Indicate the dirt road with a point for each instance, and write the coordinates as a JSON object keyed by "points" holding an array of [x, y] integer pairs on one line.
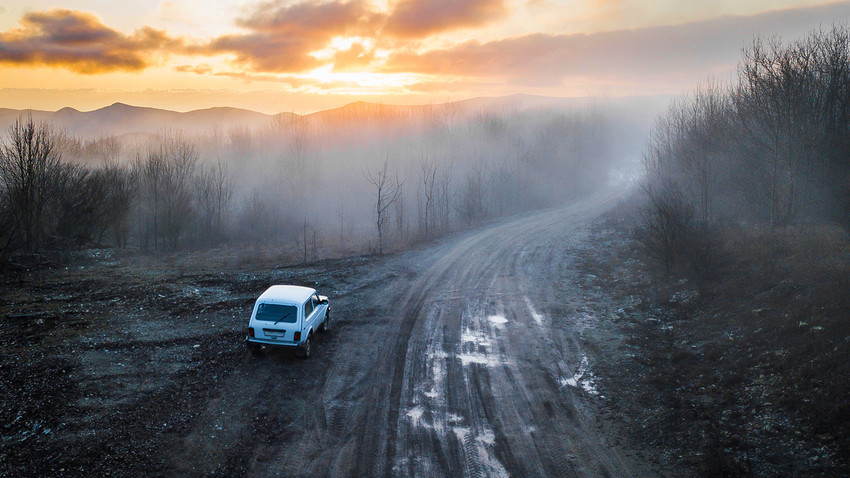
{"points": [[457, 359], [459, 368]]}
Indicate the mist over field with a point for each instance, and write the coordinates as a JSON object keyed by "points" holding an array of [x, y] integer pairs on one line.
{"points": [[304, 184]]}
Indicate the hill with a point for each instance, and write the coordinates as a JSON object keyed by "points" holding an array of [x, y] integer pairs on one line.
{"points": [[121, 119]]}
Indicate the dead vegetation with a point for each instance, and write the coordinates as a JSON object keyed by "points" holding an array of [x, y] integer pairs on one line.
{"points": [[109, 360], [745, 374], [737, 324], [300, 182]]}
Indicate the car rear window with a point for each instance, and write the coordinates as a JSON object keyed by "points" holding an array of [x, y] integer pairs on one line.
{"points": [[277, 313]]}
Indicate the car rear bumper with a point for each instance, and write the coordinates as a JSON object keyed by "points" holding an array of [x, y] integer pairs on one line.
{"points": [[274, 343]]}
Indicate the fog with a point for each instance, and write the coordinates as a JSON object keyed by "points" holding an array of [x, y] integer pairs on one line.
{"points": [[305, 185], [769, 150]]}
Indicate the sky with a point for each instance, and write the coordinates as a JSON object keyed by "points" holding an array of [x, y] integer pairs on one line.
{"points": [[304, 55]]}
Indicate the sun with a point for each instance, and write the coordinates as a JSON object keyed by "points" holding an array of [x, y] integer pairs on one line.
{"points": [[327, 80]]}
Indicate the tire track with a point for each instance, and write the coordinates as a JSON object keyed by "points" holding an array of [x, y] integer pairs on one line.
{"points": [[504, 360]]}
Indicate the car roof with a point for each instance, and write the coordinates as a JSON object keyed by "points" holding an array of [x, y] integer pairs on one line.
{"points": [[292, 294]]}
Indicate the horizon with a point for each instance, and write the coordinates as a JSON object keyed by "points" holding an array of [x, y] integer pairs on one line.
{"points": [[307, 56], [343, 105]]}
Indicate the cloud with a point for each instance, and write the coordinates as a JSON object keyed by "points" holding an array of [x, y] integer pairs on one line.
{"points": [[420, 18], [291, 81], [314, 20], [356, 57], [170, 11], [282, 36], [691, 50], [202, 69], [449, 86], [80, 42]]}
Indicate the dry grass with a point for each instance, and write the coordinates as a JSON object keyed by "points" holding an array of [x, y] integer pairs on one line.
{"points": [[743, 374]]}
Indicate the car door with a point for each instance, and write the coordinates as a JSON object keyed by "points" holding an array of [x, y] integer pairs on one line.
{"points": [[275, 321], [319, 306], [308, 315]]}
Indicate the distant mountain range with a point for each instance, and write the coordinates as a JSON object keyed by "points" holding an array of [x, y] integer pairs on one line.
{"points": [[120, 119]]}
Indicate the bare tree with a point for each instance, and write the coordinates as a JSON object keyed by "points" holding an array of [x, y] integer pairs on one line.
{"points": [[181, 157], [471, 206], [296, 139], [148, 173], [773, 148], [444, 195], [28, 159], [76, 201], [387, 192], [241, 141], [165, 182], [253, 219], [213, 192], [709, 135], [340, 215], [398, 210], [116, 202], [428, 176], [667, 224], [103, 150]]}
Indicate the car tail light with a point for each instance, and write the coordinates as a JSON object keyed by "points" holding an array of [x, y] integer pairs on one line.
{"points": [[250, 331], [297, 336]]}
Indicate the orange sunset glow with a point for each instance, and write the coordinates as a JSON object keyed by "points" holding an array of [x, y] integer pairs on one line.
{"points": [[305, 55]]}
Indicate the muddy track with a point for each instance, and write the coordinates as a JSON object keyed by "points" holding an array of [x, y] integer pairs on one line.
{"points": [[484, 389]]}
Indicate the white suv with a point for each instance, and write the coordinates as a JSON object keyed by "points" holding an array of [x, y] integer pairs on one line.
{"points": [[288, 316]]}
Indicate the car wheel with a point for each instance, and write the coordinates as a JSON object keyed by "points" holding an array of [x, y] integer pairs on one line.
{"points": [[326, 325], [254, 348], [307, 348]]}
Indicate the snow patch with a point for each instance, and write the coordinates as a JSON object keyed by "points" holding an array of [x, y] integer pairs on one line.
{"points": [[477, 339], [454, 418], [537, 317], [481, 359], [487, 437], [583, 378], [437, 378], [461, 432], [497, 319], [415, 415], [478, 449]]}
